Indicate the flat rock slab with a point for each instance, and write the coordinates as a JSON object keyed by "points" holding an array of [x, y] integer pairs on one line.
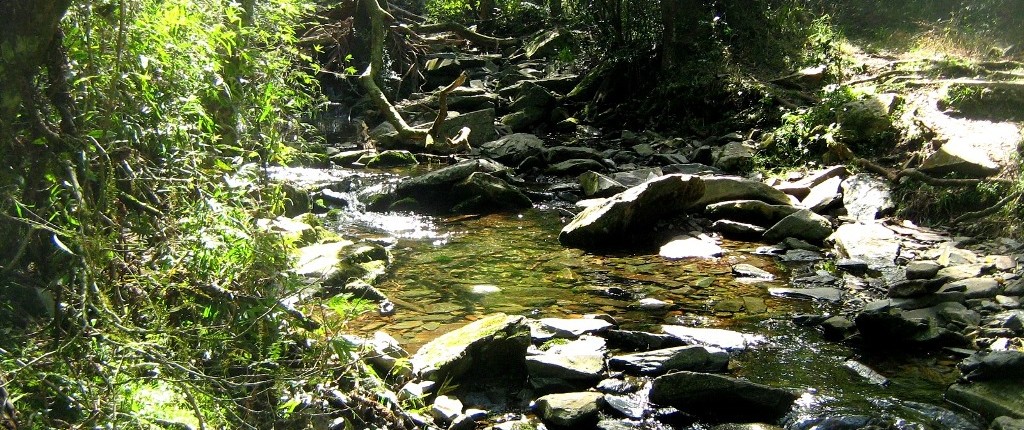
{"points": [[866, 197], [991, 399], [833, 295], [569, 367], [725, 188], [962, 158], [751, 211], [725, 339], [802, 224], [722, 398], [871, 243], [693, 358]]}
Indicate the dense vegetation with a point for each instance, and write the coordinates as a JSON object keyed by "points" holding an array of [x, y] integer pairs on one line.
{"points": [[135, 284]]}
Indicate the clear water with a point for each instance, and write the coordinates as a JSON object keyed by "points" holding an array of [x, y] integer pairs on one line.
{"points": [[448, 272]]}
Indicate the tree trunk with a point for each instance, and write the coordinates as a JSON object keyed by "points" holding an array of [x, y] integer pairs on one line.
{"points": [[680, 20]]}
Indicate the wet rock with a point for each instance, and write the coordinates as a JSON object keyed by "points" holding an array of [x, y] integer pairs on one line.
{"points": [[574, 410], [512, 149], [652, 304], [597, 185], [851, 265], [575, 166], [752, 211], [823, 196], [657, 362], [558, 154], [323, 261], [738, 230], [631, 340], [833, 295], [922, 269], [392, 158], [725, 188], [434, 191], [792, 243], [725, 339], [801, 255], [633, 210], [523, 120], [722, 398], [585, 344], [802, 224], [481, 124], [881, 322], [572, 328], [914, 288], [869, 374], [483, 192], [837, 328], [734, 157], [628, 384], [1012, 320], [993, 365], [991, 399], [749, 271], [871, 243], [959, 158], [690, 247], [974, 288], [564, 370], [497, 341], [634, 405], [633, 178], [866, 197], [1007, 423]]}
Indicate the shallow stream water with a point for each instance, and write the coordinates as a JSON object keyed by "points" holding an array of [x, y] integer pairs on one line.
{"points": [[448, 272]]}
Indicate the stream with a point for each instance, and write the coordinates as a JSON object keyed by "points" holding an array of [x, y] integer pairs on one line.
{"points": [[447, 272]]}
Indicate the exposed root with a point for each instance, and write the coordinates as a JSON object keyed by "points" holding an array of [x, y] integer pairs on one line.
{"points": [[971, 216]]}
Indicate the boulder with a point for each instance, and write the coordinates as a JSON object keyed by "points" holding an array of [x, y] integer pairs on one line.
{"points": [[722, 398], [597, 185], [738, 230], [497, 341], [974, 288], [630, 340], [524, 119], [445, 409], [866, 197], [719, 338], [960, 158], [631, 211], [480, 124], [991, 399], [882, 322], [993, 365], [472, 185], [922, 269], [724, 188], [569, 368], [802, 224], [483, 192], [692, 357], [573, 410], [823, 196], [512, 149], [574, 166], [752, 211]]}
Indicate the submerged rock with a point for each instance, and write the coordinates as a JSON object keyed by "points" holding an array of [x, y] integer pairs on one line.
{"points": [[690, 247], [722, 398], [726, 339]]}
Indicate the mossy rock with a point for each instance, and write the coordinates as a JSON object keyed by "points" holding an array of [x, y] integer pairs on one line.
{"points": [[392, 158], [487, 349]]}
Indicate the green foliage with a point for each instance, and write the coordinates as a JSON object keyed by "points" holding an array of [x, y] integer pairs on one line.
{"points": [[500, 16]]}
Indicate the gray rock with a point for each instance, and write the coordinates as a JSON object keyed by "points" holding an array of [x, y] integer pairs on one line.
{"points": [[750, 271], [974, 288], [802, 224], [416, 391], [690, 247], [866, 197], [833, 295], [837, 328], [991, 399], [910, 288], [823, 196], [597, 185], [573, 410], [881, 322], [963, 271], [631, 340], [572, 328], [722, 398], [1012, 320], [1007, 423], [800, 189], [922, 269], [497, 341], [483, 192], [725, 339], [435, 191], [738, 230], [558, 154], [961, 159], [445, 409], [524, 119], [633, 210], [693, 358], [871, 243], [751, 211], [566, 367], [869, 374], [633, 405], [575, 166], [734, 157], [512, 149], [852, 265], [531, 95], [481, 124], [633, 178], [993, 365], [725, 188], [793, 243]]}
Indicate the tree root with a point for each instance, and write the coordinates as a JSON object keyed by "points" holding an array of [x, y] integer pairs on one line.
{"points": [[971, 216], [466, 33]]}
